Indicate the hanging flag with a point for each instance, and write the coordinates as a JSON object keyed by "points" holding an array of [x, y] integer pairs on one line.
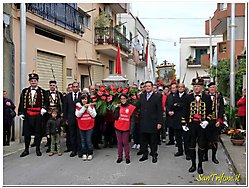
{"points": [[215, 61], [149, 63], [118, 61]]}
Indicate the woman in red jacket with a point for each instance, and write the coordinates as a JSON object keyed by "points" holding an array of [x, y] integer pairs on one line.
{"points": [[242, 109], [85, 114], [122, 116]]}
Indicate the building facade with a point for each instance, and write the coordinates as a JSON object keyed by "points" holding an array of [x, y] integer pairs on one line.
{"points": [[194, 57]]}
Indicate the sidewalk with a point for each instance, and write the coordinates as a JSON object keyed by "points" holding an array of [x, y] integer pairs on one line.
{"points": [[237, 157]]}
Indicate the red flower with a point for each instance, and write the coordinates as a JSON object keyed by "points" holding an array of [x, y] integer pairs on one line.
{"points": [[92, 96], [138, 96], [103, 97], [134, 97], [95, 99], [109, 98], [102, 88], [100, 93], [107, 92], [114, 91], [119, 89], [126, 90], [112, 87]]}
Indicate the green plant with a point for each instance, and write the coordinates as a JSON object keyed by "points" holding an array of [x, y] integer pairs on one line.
{"points": [[223, 77], [237, 134], [232, 116], [101, 23]]}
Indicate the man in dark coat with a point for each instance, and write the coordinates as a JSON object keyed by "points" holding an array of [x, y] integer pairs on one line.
{"points": [[8, 105], [69, 116], [151, 120], [31, 109], [170, 113], [213, 130], [198, 114], [179, 101], [54, 100]]}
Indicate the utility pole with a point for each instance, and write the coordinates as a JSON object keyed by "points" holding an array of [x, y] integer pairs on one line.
{"points": [[232, 58], [210, 42], [23, 57]]}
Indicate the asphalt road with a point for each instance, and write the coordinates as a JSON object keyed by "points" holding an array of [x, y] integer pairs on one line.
{"points": [[103, 169]]}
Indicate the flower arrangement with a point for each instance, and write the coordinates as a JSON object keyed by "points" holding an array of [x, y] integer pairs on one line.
{"points": [[107, 97], [237, 134]]}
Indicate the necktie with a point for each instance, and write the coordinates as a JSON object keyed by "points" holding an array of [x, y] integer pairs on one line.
{"points": [[75, 96], [148, 96]]}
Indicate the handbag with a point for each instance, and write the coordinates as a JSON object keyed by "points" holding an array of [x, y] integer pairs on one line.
{"points": [[12, 113]]}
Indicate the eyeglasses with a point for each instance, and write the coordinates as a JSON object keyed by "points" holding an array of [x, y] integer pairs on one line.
{"points": [[52, 85]]}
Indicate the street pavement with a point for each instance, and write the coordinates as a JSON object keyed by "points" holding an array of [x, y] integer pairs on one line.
{"points": [[103, 169]]}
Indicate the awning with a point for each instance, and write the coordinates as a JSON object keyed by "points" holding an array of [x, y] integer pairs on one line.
{"points": [[90, 62]]}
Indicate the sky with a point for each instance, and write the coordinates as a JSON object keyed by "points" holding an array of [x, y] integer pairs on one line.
{"points": [[168, 28]]}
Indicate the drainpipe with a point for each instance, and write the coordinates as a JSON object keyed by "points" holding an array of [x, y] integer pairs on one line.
{"points": [[23, 56], [210, 42], [232, 58]]}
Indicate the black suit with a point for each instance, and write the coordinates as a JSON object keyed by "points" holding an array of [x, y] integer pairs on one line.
{"points": [[69, 114], [150, 115]]}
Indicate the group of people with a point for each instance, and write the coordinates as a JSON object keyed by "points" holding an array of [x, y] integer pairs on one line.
{"points": [[192, 118]]}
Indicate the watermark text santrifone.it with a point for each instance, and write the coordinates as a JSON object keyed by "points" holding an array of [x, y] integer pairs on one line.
{"points": [[218, 178]]}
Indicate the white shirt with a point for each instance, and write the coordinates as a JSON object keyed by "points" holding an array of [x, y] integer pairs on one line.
{"points": [[52, 94], [181, 94], [33, 91], [74, 95]]}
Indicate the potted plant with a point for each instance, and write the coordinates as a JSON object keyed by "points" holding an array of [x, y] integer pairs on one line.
{"points": [[237, 136], [102, 23]]}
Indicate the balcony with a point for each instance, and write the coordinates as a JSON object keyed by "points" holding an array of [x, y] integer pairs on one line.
{"points": [[106, 40], [62, 14], [119, 7], [219, 20], [224, 49]]}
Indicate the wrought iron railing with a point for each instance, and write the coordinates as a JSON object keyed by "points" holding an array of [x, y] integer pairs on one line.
{"points": [[110, 35], [62, 14]]}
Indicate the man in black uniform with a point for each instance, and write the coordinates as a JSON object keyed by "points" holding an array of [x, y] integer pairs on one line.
{"points": [[54, 101], [197, 117], [213, 130], [31, 109]]}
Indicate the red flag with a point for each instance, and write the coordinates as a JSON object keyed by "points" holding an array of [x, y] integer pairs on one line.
{"points": [[118, 62]]}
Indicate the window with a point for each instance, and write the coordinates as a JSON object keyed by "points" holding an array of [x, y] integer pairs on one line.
{"points": [[69, 72], [111, 63], [49, 34], [84, 19], [199, 52], [223, 6], [124, 30]]}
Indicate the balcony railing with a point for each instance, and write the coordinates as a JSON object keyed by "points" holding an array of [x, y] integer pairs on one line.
{"points": [[110, 35], [62, 14]]}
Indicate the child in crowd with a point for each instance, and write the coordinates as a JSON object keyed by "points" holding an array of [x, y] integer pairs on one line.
{"points": [[85, 114], [54, 130], [122, 116]]}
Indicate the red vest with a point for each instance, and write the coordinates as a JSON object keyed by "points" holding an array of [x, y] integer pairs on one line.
{"points": [[123, 122], [85, 122]]}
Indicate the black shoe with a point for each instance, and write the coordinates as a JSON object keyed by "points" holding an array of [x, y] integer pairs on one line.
{"points": [[80, 155], [177, 154], [154, 159], [215, 160], [159, 143], [187, 157], [119, 160], [144, 158], [105, 145], [32, 145], [73, 154], [48, 150], [38, 152], [200, 170], [140, 153], [128, 161], [7, 143], [170, 143], [68, 150], [192, 168], [24, 153], [110, 146]]}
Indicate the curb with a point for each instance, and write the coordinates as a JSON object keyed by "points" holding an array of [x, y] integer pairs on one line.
{"points": [[235, 170]]}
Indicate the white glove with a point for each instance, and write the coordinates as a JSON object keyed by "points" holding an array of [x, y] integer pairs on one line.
{"points": [[21, 117], [185, 128], [204, 124], [43, 111]]}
